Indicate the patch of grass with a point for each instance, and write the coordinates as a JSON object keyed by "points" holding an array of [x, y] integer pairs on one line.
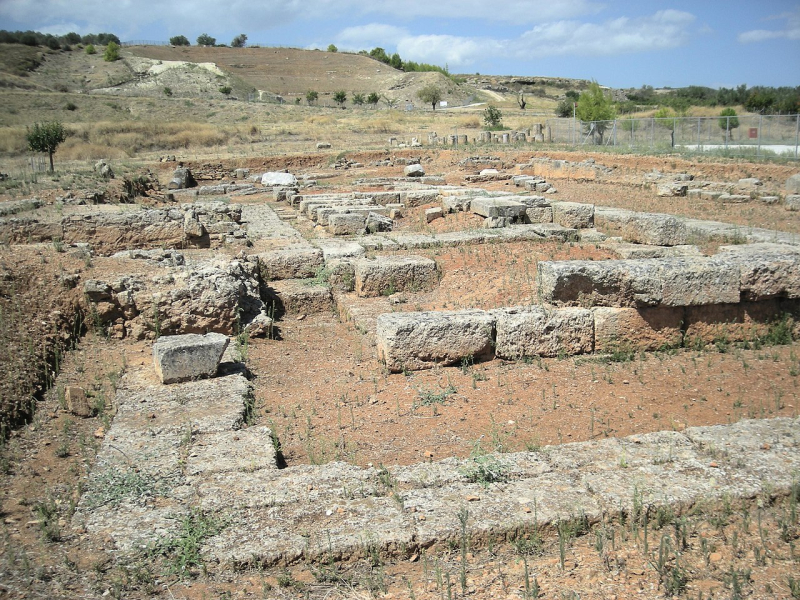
{"points": [[116, 485], [182, 550], [484, 468]]}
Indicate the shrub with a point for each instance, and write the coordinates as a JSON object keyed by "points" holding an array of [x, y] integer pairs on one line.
{"points": [[430, 94], [90, 49], [225, 89], [311, 96], [168, 91], [71, 106], [179, 40], [373, 99], [112, 52], [340, 97], [332, 48], [240, 41], [358, 99], [492, 116]]}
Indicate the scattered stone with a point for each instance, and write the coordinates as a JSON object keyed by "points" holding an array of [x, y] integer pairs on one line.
{"points": [[671, 189], [415, 170], [431, 214], [188, 357], [793, 184], [77, 402], [182, 179], [275, 179], [294, 262], [792, 202]]}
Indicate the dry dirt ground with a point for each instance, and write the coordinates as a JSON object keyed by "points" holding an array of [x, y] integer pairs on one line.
{"points": [[321, 390]]}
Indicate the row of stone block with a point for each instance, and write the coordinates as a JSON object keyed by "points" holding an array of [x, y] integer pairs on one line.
{"points": [[421, 340], [736, 273], [524, 209]]}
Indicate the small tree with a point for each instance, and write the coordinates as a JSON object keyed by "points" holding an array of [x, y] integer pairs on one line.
{"points": [[492, 116], [45, 138], [373, 99], [112, 52], [205, 40], [390, 102], [340, 97], [332, 48], [564, 108], [179, 40], [595, 109], [239, 41], [728, 121], [430, 94], [379, 54], [358, 99], [311, 97], [396, 62]]}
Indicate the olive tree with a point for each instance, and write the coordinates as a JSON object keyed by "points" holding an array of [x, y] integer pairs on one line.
{"points": [[595, 110], [340, 97], [728, 121], [206, 40], [45, 137], [430, 94], [240, 41], [179, 40]]}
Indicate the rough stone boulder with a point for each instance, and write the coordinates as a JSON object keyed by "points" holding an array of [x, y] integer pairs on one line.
{"points": [[346, 223], [386, 275], [671, 189], [276, 179], [188, 357], [766, 270], [182, 179], [414, 171], [536, 331], [422, 340]]}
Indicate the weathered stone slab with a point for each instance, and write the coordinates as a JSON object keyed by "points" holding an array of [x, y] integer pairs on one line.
{"points": [[767, 270], [187, 357], [300, 297], [539, 214], [642, 228], [244, 450], [724, 323], [637, 329], [694, 281], [536, 331], [414, 171], [333, 249], [600, 283], [346, 223], [573, 214], [670, 189], [376, 223], [290, 263], [497, 207], [431, 214], [421, 340], [452, 204], [629, 251], [386, 275]]}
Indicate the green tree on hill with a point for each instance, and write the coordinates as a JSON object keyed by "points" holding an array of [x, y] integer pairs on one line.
{"points": [[373, 99], [206, 40], [332, 48], [179, 40], [340, 97], [45, 137], [240, 41], [311, 97], [430, 94], [380, 54], [358, 99], [595, 109]]}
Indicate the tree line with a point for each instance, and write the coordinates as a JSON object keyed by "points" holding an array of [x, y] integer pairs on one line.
{"points": [[56, 42], [757, 99]]}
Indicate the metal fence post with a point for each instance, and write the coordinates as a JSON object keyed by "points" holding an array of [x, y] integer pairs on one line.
{"points": [[796, 133]]}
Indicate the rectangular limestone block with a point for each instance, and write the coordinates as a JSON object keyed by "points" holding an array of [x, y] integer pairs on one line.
{"points": [[695, 281], [187, 357], [765, 273], [536, 331], [539, 214], [497, 207], [642, 228], [586, 283], [573, 214], [299, 297], [723, 323], [637, 328], [346, 223], [290, 263], [422, 340], [386, 275]]}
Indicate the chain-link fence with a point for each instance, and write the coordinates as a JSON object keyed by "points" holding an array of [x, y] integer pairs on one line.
{"points": [[757, 135]]}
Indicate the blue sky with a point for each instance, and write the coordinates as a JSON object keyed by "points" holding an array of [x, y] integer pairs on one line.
{"points": [[619, 44]]}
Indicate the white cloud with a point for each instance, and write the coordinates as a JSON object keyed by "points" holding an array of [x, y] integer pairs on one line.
{"points": [[365, 37], [509, 11], [790, 31], [661, 31]]}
